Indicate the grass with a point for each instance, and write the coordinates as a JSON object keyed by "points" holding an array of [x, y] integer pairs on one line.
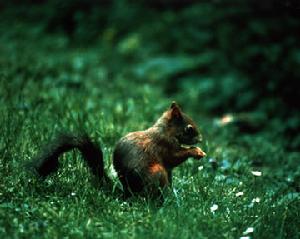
{"points": [[54, 87]]}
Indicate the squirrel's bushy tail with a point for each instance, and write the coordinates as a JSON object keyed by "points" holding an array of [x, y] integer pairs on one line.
{"points": [[47, 161]]}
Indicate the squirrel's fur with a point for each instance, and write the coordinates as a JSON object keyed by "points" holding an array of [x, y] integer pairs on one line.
{"points": [[143, 160]]}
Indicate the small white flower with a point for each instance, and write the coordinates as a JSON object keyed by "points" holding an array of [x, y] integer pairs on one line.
{"points": [[214, 207], [73, 194], [124, 204], [245, 237], [256, 173], [257, 200], [200, 168], [249, 230], [239, 194]]}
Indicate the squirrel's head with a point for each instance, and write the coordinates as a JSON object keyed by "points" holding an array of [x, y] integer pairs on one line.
{"points": [[180, 126]]}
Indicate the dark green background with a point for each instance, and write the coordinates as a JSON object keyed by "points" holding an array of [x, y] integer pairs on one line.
{"points": [[235, 56]]}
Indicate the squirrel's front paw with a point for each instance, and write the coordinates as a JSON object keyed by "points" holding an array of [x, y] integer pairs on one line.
{"points": [[198, 153]]}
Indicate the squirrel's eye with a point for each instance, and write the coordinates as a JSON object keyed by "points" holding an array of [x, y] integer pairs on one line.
{"points": [[189, 129]]}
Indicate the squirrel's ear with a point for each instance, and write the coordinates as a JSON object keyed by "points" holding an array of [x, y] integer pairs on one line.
{"points": [[173, 105], [175, 111]]}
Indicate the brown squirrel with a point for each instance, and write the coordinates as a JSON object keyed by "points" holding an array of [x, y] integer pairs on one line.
{"points": [[143, 160]]}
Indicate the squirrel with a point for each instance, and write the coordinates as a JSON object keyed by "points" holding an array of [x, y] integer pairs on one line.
{"points": [[143, 160]]}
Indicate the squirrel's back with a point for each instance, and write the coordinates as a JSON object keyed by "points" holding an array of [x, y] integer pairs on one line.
{"points": [[133, 157]]}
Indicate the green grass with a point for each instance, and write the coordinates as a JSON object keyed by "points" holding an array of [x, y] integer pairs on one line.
{"points": [[54, 87]]}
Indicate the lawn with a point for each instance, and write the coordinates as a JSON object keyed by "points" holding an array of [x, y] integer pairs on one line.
{"points": [[247, 186]]}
